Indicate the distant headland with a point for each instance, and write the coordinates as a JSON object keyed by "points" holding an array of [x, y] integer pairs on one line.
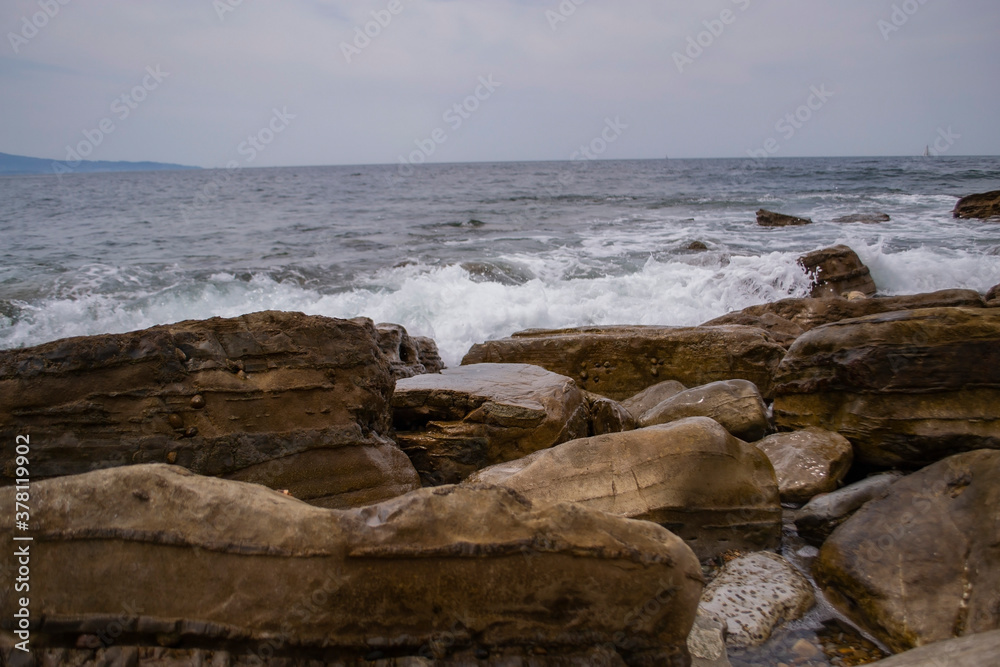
{"points": [[19, 164]]}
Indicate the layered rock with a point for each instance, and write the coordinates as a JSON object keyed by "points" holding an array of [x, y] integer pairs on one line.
{"points": [[906, 388], [970, 651], [837, 270], [446, 573], [867, 218], [753, 594], [607, 416], [691, 476], [650, 397], [282, 399], [767, 218], [620, 361], [922, 563], [817, 519], [462, 419], [807, 462], [810, 313], [735, 404], [993, 294], [782, 330], [984, 206], [408, 355]]}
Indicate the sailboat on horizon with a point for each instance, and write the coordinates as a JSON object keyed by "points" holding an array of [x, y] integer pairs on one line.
{"points": [[927, 151]]}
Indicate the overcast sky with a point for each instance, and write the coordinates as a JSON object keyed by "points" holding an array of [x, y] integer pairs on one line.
{"points": [[625, 79]]}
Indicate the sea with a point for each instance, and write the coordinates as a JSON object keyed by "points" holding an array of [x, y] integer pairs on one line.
{"points": [[464, 253]]}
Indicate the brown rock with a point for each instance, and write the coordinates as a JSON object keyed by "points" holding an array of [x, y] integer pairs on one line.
{"points": [[691, 476], [284, 399], [970, 651], [807, 462], [462, 419], [607, 416], [983, 206], [650, 397], [767, 218], [697, 246], [783, 331], [619, 362], [735, 404], [922, 564], [993, 293], [428, 354], [405, 353], [837, 270], [906, 388], [867, 218], [441, 573]]}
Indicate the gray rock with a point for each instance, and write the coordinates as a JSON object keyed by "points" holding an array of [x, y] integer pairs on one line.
{"points": [[807, 462], [767, 218], [979, 650], [707, 642], [406, 354], [817, 519], [867, 218], [736, 404]]}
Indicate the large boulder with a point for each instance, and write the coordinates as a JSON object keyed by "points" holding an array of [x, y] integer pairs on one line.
{"points": [[810, 313], [906, 388], [281, 399], [976, 650], [807, 462], [837, 270], [736, 404], [984, 206], [620, 361], [691, 476], [446, 573], [818, 518], [922, 563], [462, 419], [767, 218]]}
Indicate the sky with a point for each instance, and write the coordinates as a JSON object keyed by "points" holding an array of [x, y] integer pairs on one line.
{"points": [[312, 82]]}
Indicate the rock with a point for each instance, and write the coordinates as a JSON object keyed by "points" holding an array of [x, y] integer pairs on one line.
{"points": [[993, 293], [906, 388], [428, 354], [811, 313], [707, 643], [754, 594], [922, 563], [837, 270], [807, 462], [650, 397], [442, 573], [735, 404], [691, 476], [976, 650], [783, 331], [619, 362], [697, 246], [983, 206], [406, 354], [867, 218], [767, 218], [607, 416], [281, 399], [462, 419], [855, 296], [818, 518]]}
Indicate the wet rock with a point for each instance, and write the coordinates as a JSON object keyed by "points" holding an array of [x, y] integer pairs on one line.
{"points": [[439, 573], [867, 218], [607, 416], [983, 206], [807, 462], [767, 218], [428, 354], [697, 246], [837, 270], [906, 388], [975, 650], [650, 397], [462, 419], [691, 476], [735, 404], [620, 361], [922, 563], [281, 399], [404, 351], [753, 595], [816, 520], [783, 331], [993, 293], [707, 642], [811, 313]]}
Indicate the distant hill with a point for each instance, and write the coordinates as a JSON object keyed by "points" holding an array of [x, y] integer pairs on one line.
{"points": [[19, 164]]}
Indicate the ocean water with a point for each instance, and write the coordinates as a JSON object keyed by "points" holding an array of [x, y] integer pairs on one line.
{"points": [[468, 252]]}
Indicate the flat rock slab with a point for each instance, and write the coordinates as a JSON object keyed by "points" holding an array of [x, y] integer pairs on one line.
{"points": [[462, 419], [736, 404], [282, 399], [979, 650], [807, 462], [619, 362], [211, 563], [754, 594], [691, 476], [922, 563], [906, 388], [817, 519]]}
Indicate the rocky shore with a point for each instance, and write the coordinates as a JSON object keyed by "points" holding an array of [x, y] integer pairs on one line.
{"points": [[281, 489]]}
